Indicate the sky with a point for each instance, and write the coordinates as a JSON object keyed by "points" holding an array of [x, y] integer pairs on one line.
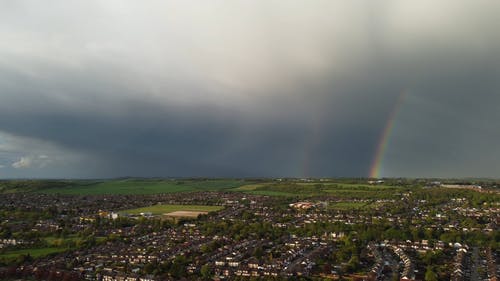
{"points": [[394, 88]]}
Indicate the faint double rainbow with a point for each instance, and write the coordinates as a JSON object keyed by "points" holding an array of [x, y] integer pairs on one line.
{"points": [[383, 142]]}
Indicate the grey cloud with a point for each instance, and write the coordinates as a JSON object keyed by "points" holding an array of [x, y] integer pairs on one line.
{"points": [[252, 89]]}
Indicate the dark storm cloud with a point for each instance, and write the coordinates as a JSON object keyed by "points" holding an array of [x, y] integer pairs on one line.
{"points": [[146, 139], [248, 89]]}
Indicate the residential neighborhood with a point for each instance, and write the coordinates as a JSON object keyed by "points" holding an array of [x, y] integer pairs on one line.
{"points": [[406, 236]]}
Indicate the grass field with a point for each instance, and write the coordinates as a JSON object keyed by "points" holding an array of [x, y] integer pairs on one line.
{"points": [[273, 193], [35, 253], [352, 185], [249, 187], [278, 189], [307, 189], [162, 209], [55, 242], [133, 186], [364, 194], [154, 186]]}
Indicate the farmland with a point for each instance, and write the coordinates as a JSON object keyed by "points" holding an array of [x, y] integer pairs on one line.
{"points": [[132, 186], [121, 186], [338, 189]]}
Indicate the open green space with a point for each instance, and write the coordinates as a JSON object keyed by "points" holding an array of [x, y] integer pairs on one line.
{"points": [[309, 189], [56, 241], [123, 186], [364, 194], [273, 193], [72, 239], [342, 185], [153, 186], [249, 187], [33, 252], [282, 189], [162, 209]]}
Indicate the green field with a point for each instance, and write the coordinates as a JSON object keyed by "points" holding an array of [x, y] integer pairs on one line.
{"points": [[35, 253], [133, 186], [154, 186], [273, 193], [249, 187], [53, 241], [308, 189], [343, 184], [161, 209]]}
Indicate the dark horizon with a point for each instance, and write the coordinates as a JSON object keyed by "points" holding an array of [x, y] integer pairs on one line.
{"points": [[256, 178]]}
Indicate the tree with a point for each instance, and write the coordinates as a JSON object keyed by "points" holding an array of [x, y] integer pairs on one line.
{"points": [[258, 252], [149, 268], [430, 275], [206, 271], [178, 267]]}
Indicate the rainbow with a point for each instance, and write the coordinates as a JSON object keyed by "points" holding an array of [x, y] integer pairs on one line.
{"points": [[311, 143], [383, 142]]}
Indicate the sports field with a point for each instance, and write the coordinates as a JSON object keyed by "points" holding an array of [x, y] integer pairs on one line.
{"points": [[185, 214]]}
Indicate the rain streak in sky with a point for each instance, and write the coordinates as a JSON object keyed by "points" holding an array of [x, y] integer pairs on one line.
{"points": [[249, 88]]}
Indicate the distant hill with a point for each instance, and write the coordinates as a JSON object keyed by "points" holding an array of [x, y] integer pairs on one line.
{"points": [[118, 186]]}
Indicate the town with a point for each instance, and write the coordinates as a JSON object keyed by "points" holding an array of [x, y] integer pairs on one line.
{"points": [[280, 229]]}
